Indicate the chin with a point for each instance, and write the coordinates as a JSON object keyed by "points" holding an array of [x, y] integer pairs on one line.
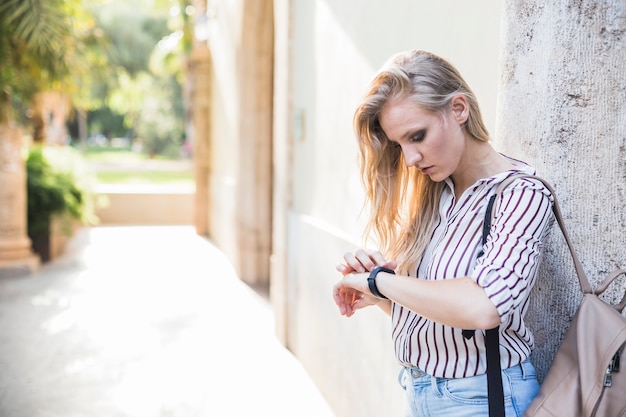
{"points": [[437, 177]]}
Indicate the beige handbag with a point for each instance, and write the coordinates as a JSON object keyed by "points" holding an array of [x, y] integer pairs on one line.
{"points": [[584, 379]]}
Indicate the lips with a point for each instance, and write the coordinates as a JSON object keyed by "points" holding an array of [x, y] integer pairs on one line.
{"points": [[426, 170]]}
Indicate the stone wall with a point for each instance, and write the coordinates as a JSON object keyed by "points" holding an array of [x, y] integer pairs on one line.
{"points": [[561, 107]]}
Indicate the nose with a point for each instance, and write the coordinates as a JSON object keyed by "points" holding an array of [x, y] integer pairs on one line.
{"points": [[411, 157]]}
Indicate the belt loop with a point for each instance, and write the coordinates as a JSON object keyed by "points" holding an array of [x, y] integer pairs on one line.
{"points": [[435, 386], [521, 365], [401, 378]]}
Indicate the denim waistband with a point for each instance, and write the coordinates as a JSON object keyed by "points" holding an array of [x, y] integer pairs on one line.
{"points": [[416, 372]]}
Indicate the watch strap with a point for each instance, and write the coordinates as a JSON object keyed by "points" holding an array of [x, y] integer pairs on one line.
{"points": [[371, 281]]}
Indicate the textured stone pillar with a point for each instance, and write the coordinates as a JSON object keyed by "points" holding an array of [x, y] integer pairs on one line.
{"points": [[199, 96], [200, 70], [561, 108], [254, 176], [282, 181], [16, 256]]}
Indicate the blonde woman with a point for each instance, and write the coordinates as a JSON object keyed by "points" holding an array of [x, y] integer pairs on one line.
{"points": [[429, 170]]}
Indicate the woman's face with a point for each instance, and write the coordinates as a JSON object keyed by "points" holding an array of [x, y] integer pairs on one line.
{"points": [[430, 142]]}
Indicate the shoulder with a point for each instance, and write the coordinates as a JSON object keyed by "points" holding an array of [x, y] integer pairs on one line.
{"points": [[522, 178], [523, 196], [522, 182]]}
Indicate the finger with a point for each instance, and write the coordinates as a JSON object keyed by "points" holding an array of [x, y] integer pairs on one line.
{"points": [[365, 260], [337, 295], [344, 269], [342, 297], [377, 258], [358, 305], [391, 265], [373, 258], [351, 297], [349, 311], [354, 298], [353, 262], [347, 295]]}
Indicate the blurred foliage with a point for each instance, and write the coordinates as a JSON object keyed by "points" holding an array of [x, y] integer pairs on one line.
{"points": [[133, 36], [161, 127], [148, 41], [57, 185], [36, 40], [116, 60]]}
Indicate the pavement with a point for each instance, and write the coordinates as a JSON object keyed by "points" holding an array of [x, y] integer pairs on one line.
{"points": [[143, 321]]}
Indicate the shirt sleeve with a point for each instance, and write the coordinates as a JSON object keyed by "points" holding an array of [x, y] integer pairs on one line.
{"points": [[512, 252]]}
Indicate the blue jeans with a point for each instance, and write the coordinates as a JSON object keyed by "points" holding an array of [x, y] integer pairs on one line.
{"points": [[466, 397]]}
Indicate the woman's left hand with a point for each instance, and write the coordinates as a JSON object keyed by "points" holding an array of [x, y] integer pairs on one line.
{"points": [[348, 298], [352, 292]]}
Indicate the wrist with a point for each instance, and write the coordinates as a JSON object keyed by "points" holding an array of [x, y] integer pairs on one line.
{"points": [[371, 281]]}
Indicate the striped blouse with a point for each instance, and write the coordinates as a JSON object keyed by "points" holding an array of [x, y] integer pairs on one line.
{"points": [[506, 271]]}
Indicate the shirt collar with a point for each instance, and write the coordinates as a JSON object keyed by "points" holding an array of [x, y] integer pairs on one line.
{"points": [[519, 167]]}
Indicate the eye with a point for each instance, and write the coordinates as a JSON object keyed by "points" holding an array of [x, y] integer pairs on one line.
{"points": [[418, 136]]}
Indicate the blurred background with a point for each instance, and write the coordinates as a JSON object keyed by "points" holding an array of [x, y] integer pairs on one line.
{"points": [[235, 117]]}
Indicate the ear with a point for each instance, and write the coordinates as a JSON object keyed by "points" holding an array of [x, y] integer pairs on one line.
{"points": [[460, 108]]}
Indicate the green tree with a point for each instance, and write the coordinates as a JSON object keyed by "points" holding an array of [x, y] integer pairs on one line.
{"points": [[45, 45], [161, 124], [147, 44], [35, 36]]}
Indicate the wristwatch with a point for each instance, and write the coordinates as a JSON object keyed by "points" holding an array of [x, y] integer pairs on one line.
{"points": [[371, 280]]}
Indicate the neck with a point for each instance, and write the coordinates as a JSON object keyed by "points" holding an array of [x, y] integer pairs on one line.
{"points": [[482, 161]]}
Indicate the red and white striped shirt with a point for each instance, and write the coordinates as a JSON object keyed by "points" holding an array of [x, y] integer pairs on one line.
{"points": [[506, 271]]}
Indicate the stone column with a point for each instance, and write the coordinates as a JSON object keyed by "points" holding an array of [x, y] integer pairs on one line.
{"points": [[561, 108], [279, 283], [16, 256], [254, 176], [200, 70]]}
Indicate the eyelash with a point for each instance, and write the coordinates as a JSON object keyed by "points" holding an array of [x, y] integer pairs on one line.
{"points": [[419, 136]]}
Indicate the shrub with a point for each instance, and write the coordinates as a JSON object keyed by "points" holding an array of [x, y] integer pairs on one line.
{"points": [[55, 190]]}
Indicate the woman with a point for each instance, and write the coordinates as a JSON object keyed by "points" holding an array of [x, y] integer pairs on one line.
{"points": [[428, 171]]}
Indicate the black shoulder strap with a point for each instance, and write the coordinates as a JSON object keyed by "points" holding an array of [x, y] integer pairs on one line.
{"points": [[495, 392]]}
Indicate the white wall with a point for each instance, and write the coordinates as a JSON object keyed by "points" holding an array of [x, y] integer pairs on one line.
{"points": [[336, 47]]}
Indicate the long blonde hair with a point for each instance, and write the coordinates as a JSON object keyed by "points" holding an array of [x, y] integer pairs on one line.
{"points": [[404, 202]]}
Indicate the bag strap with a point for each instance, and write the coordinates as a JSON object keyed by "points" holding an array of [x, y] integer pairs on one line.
{"points": [[495, 391], [585, 286], [605, 284]]}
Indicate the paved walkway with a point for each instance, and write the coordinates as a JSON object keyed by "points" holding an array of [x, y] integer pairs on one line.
{"points": [[144, 322]]}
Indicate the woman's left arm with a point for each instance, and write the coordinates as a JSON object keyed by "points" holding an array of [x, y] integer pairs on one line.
{"points": [[502, 278], [460, 302]]}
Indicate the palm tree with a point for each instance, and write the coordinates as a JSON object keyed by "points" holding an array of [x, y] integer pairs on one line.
{"points": [[35, 36], [35, 39]]}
